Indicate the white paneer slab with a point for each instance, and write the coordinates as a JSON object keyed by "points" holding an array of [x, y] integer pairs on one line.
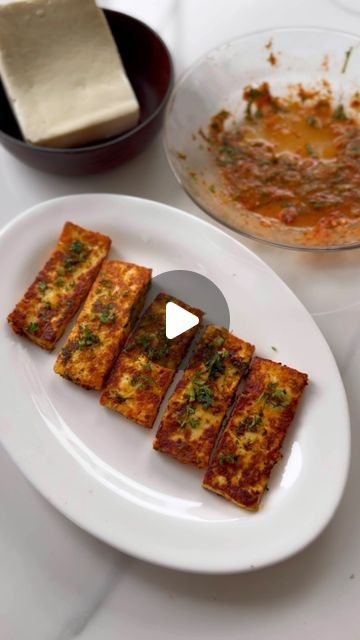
{"points": [[62, 72]]}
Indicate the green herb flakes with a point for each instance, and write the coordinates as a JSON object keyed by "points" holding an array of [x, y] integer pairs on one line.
{"points": [[275, 396], [215, 365], [218, 341], [78, 252], [87, 338], [346, 60], [107, 317], [187, 418], [340, 113], [32, 327], [141, 381], [224, 458], [200, 392], [312, 121], [251, 422]]}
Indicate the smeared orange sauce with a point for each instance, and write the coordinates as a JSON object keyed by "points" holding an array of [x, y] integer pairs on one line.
{"points": [[293, 130], [296, 160]]}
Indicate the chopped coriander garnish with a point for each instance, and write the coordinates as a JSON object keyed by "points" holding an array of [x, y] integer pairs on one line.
{"points": [[219, 341], [59, 282], [69, 265], [274, 395], [200, 392], [42, 285], [107, 317], [223, 458], [251, 422], [141, 381], [149, 318], [32, 327], [340, 113], [158, 352], [78, 252], [104, 311], [143, 340], [227, 154], [191, 393], [215, 365], [76, 246], [312, 121], [193, 422], [154, 345], [278, 397], [87, 338], [347, 58], [188, 419]]}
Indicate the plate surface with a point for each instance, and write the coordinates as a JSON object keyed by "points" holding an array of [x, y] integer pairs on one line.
{"points": [[100, 470]]}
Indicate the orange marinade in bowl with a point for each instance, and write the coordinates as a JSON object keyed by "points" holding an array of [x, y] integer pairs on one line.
{"points": [[297, 160], [263, 133]]}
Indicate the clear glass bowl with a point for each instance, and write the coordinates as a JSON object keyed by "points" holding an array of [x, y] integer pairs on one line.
{"points": [[303, 55]]}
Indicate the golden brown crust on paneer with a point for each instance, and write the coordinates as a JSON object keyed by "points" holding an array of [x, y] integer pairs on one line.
{"points": [[110, 311], [250, 444], [146, 367], [136, 388], [60, 287], [196, 409]]}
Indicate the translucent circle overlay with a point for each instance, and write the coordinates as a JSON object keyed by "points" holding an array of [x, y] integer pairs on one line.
{"points": [[197, 291]]}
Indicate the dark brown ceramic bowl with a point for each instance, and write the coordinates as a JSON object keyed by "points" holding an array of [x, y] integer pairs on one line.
{"points": [[150, 70]]}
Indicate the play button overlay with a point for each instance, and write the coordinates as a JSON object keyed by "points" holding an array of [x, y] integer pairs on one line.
{"points": [[196, 291], [178, 320]]}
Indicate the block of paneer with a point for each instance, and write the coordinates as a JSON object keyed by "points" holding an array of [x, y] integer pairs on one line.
{"points": [[250, 444], [196, 409], [146, 367], [110, 311], [62, 72], [61, 286]]}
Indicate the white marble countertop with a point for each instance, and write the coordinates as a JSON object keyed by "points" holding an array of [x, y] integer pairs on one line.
{"points": [[58, 582]]}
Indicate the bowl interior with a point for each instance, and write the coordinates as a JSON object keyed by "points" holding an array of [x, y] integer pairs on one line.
{"points": [[302, 56], [147, 63]]}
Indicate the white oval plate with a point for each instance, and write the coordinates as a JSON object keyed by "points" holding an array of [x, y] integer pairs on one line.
{"points": [[100, 470]]}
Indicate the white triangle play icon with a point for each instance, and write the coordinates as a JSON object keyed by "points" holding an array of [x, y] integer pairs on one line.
{"points": [[178, 320]]}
